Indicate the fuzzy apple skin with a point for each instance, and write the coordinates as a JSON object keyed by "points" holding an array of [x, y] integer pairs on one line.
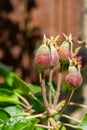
{"points": [[74, 80], [46, 57], [42, 57], [54, 56], [64, 54], [65, 51]]}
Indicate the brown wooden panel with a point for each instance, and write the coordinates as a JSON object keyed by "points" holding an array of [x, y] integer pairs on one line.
{"points": [[74, 17], [58, 16]]}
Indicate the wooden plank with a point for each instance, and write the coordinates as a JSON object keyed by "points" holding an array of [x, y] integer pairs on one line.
{"points": [[58, 16]]}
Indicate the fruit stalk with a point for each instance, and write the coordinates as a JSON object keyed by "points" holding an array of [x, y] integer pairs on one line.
{"points": [[44, 90], [58, 89], [50, 87], [69, 96]]}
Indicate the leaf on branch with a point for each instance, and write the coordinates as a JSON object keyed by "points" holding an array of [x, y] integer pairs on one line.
{"points": [[83, 124]]}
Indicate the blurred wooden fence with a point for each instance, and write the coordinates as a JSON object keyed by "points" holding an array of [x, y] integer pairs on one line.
{"points": [[57, 16]]}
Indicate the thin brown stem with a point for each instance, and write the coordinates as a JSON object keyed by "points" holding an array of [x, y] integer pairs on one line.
{"points": [[27, 107], [40, 77], [78, 105], [44, 126], [53, 123], [35, 116], [56, 98], [44, 90], [50, 87], [23, 99], [67, 100], [69, 125], [48, 125], [71, 118], [35, 98]]}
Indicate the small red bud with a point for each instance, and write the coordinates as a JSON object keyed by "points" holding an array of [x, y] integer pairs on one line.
{"points": [[54, 56], [74, 77], [42, 57], [46, 57], [64, 51]]}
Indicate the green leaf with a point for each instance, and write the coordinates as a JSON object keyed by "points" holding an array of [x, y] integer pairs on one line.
{"points": [[34, 88], [12, 110], [5, 86], [8, 96], [9, 79], [16, 123], [60, 104], [83, 124], [39, 128], [54, 86], [37, 105], [64, 65], [56, 117], [65, 88], [1, 122], [4, 116], [4, 70], [61, 127], [19, 123], [26, 128], [32, 126], [24, 87]]}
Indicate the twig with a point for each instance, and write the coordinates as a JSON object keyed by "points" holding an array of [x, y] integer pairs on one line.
{"points": [[40, 77], [50, 87], [34, 116], [72, 126], [67, 100], [44, 126], [71, 118], [25, 106], [78, 104], [23, 99], [44, 90], [22, 114], [48, 124], [35, 98], [52, 122], [58, 89]]}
